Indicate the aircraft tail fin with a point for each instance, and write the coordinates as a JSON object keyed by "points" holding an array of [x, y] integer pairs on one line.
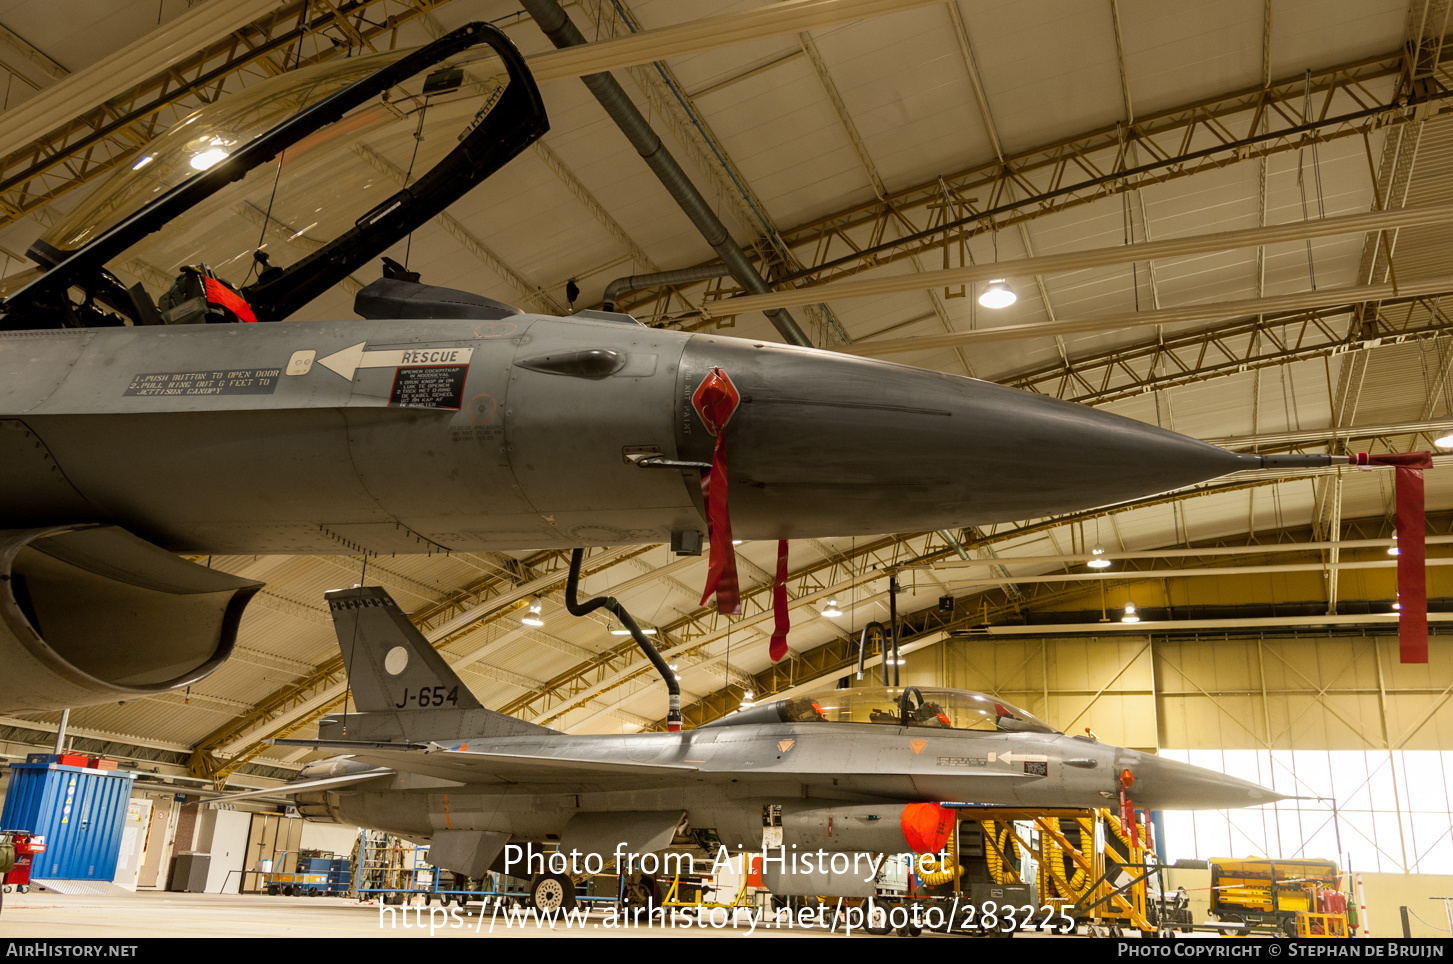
{"points": [[390, 665]]}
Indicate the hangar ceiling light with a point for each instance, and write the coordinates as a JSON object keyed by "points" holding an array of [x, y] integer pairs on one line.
{"points": [[998, 294]]}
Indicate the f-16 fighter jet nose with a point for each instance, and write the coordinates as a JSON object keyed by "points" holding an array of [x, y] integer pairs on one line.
{"points": [[819, 440], [1162, 784]]}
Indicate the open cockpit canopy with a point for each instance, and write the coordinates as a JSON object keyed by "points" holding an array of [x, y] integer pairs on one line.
{"points": [[897, 706], [284, 188]]}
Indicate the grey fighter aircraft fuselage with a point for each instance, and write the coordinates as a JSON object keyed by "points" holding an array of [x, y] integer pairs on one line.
{"points": [[527, 432], [122, 446], [859, 770], [721, 775]]}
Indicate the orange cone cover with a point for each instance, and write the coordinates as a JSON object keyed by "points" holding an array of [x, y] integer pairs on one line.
{"points": [[926, 827]]}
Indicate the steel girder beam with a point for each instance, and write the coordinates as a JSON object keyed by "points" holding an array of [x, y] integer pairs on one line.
{"points": [[1202, 136], [678, 113], [942, 214], [97, 141], [1392, 181], [1229, 349], [842, 654]]}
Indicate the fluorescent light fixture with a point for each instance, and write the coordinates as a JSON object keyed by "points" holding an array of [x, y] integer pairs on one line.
{"points": [[627, 632], [832, 609], [145, 160], [1444, 441], [1131, 615], [998, 294], [1099, 562]]}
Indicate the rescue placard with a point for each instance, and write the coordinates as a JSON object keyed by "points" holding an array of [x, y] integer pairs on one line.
{"points": [[432, 356], [431, 386]]}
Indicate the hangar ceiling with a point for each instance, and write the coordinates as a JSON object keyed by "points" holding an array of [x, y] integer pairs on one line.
{"points": [[858, 141]]}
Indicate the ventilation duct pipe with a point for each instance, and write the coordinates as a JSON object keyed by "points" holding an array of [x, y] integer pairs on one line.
{"points": [[557, 26], [637, 281]]}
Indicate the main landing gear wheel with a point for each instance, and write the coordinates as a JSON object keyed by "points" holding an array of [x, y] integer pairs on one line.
{"points": [[551, 892]]}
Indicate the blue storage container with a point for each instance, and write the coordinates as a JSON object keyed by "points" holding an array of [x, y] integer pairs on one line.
{"points": [[339, 876], [79, 812]]}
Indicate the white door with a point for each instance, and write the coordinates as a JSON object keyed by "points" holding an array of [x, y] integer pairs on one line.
{"points": [[133, 843]]}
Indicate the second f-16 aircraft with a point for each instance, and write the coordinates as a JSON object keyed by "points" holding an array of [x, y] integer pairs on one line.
{"points": [[132, 428], [845, 771]]}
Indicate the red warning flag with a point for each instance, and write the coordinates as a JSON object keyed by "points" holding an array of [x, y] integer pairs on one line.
{"points": [[716, 400], [781, 620], [1412, 550]]}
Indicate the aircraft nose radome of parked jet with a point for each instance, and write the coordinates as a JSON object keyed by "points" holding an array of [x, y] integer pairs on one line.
{"points": [[823, 445], [1162, 784]]}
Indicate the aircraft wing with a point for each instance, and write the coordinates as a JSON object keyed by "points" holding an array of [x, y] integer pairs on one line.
{"points": [[288, 789], [469, 766]]}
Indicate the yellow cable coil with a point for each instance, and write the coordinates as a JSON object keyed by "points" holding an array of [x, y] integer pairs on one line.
{"points": [[1072, 887], [1047, 851], [996, 848], [945, 876], [1115, 827]]}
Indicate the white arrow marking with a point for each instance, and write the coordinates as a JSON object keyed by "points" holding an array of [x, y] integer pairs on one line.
{"points": [[349, 360], [344, 362]]}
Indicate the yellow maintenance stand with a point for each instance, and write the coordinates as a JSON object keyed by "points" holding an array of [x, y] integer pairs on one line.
{"points": [[1089, 867]]}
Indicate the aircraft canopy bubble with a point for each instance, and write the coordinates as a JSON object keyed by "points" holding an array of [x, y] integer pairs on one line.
{"points": [[314, 192], [914, 706]]}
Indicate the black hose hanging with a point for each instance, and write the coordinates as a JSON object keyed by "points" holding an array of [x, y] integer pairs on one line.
{"points": [[612, 605], [893, 591]]}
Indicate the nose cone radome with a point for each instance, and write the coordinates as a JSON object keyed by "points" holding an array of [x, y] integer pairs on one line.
{"points": [[1162, 784], [827, 444]]}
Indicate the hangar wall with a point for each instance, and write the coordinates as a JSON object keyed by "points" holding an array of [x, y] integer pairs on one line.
{"points": [[1336, 717], [1294, 693]]}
